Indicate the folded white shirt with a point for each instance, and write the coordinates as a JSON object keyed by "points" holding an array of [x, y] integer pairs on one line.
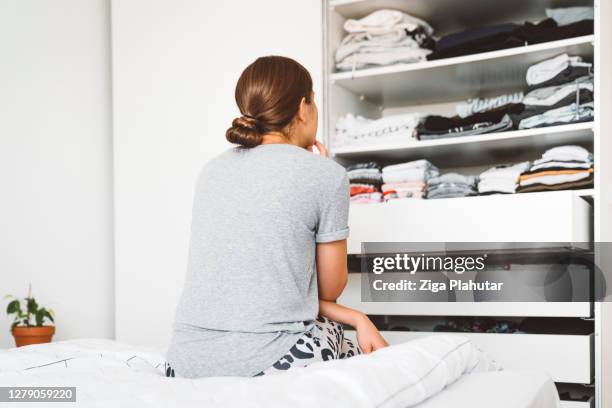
{"points": [[415, 164], [569, 15], [368, 43], [497, 185], [509, 172], [548, 69], [569, 164], [385, 20], [406, 175], [354, 130], [406, 55], [574, 151]]}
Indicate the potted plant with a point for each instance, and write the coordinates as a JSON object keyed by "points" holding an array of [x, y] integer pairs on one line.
{"points": [[28, 325]]}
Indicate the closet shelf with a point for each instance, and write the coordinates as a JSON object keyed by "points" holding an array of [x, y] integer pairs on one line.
{"points": [[585, 192], [457, 78], [474, 150], [452, 16]]}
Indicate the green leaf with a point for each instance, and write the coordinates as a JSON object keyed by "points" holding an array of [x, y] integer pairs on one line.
{"points": [[32, 305], [49, 315], [13, 307], [39, 316]]}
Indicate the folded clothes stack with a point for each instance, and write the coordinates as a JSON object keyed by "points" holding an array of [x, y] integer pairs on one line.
{"points": [[560, 24], [560, 92], [495, 120], [354, 130], [384, 37], [451, 185], [365, 180], [479, 105], [560, 168], [407, 180], [501, 179]]}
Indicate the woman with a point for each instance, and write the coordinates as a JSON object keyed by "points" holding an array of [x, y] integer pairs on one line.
{"points": [[267, 256]]}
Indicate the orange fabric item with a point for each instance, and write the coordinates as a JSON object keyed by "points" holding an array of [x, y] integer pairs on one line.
{"points": [[553, 173], [362, 189]]}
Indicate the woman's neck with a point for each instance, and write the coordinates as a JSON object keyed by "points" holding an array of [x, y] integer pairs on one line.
{"points": [[275, 138]]}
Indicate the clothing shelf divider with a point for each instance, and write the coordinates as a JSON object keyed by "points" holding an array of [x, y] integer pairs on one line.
{"points": [[472, 149], [455, 78]]}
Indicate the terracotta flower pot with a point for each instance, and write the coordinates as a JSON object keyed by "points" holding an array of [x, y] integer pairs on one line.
{"points": [[25, 336]]}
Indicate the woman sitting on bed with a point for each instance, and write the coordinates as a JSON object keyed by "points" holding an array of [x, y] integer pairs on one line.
{"points": [[267, 256]]}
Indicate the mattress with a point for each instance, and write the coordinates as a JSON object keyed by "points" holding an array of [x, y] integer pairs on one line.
{"points": [[432, 372], [499, 389]]}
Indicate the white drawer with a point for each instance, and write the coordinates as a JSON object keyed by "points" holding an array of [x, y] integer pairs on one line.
{"points": [[558, 216], [578, 404], [351, 297], [566, 358]]}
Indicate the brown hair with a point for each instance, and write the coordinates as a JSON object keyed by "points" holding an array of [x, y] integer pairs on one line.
{"points": [[268, 95]]}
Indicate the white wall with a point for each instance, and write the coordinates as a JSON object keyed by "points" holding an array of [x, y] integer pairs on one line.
{"points": [[55, 162], [175, 65]]}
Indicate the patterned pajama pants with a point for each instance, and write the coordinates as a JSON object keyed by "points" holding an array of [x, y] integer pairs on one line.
{"points": [[324, 342]]}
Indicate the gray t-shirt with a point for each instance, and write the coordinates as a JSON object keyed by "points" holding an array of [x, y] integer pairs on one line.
{"points": [[251, 285]]}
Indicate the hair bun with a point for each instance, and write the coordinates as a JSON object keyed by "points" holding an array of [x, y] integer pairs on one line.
{"points": [[245, 131]]}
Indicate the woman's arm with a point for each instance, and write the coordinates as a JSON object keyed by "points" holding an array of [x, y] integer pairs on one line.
{"points": [[368, 336], [332, 271], [332, 275]]}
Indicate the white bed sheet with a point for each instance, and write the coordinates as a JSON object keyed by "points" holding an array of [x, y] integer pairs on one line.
{"points": [[111, 374], [499, 389]]}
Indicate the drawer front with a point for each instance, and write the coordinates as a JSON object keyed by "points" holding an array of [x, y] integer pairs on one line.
{"points": [[507, 218], [566, 358], [351, 297], [578, 404]]}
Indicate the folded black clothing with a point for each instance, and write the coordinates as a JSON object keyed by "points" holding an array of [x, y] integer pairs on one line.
{"points": [[462, 38], [502, 36], [422, 38], [364, 180], [434, 123], [543, 325], [569, 74], [548, 30], [476, 40], [367, 165]]}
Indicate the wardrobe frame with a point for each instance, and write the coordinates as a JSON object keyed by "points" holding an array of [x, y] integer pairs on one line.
{"points": [[337, 101]]}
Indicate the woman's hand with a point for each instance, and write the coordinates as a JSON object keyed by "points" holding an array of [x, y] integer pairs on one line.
{"points": [[368, 336], [320, 147]]}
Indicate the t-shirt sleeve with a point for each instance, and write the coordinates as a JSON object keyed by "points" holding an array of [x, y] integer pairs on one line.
{"points": [[333, 219]]}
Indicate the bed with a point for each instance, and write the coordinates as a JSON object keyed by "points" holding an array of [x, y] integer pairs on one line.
{"points": [[431, 372]]}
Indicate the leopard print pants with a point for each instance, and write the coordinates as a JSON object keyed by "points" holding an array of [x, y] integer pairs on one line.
{"points": [[324, 342]]}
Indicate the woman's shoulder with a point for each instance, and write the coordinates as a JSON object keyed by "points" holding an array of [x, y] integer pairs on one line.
{"points": [[325, 170]]}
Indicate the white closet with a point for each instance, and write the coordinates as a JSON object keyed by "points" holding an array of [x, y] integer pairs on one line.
{"points": [[573, 360]]}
